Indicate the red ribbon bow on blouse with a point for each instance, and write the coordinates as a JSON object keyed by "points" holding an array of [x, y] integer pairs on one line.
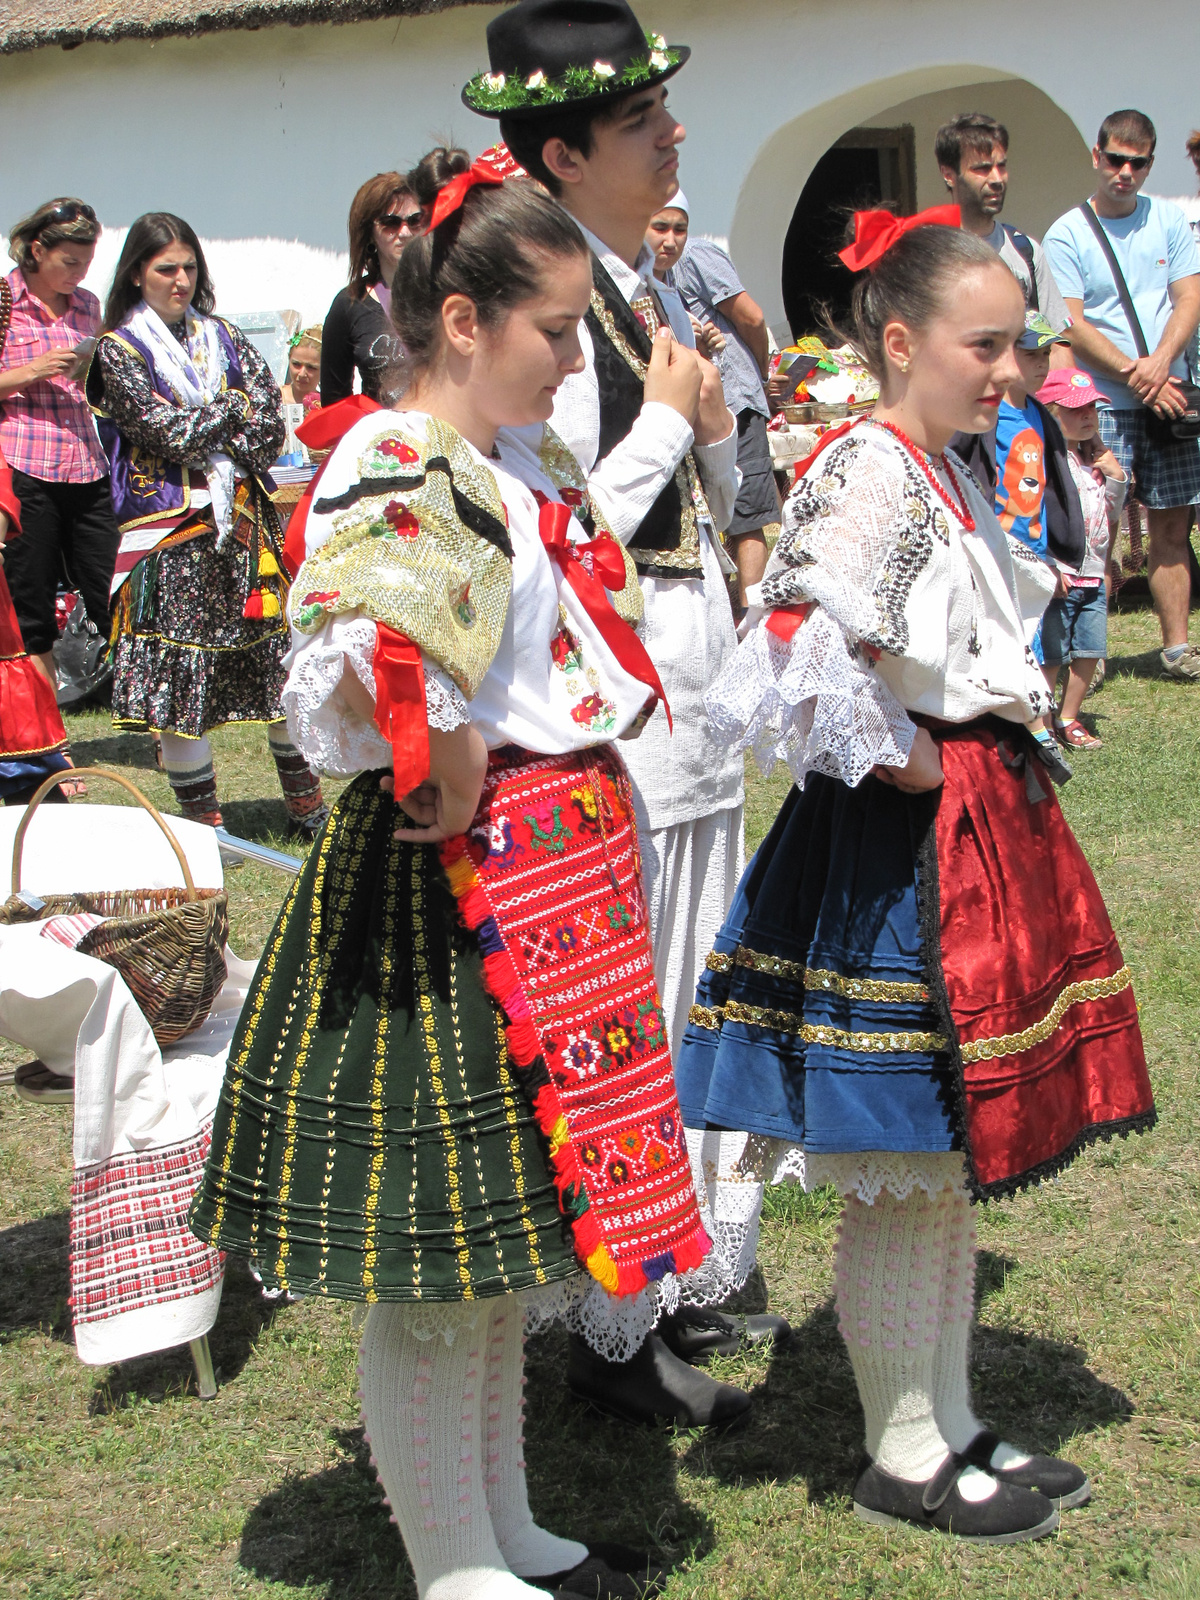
{"points": [[452, 195], [608, 572], [321, 431], [875, 232]]}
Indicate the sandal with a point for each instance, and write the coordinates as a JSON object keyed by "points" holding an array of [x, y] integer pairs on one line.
{"points": [[73, 788], [1076, 736]]}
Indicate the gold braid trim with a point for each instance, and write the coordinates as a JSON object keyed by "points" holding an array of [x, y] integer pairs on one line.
{"points": [[564, 472], [693, 500], [815, 1033], [818, 977], [1012, 1044]]}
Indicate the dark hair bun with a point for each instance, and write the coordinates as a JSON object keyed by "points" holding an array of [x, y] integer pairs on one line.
{"points": [[434, 171]]}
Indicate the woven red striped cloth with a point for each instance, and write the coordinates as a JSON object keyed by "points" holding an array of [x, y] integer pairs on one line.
{"points": [[550, 878], [131, 1246]]}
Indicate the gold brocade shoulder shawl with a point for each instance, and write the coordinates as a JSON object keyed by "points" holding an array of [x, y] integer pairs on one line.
{"points": [[569, 478], [421, 544]]}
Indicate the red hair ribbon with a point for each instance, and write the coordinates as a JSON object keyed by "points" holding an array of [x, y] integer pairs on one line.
{"points": [[452, 195], [608, 572], [875, 232], [320, 431]]}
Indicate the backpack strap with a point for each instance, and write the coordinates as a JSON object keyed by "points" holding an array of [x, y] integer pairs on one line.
{"points": [[1114, 266], [1023, 245]]}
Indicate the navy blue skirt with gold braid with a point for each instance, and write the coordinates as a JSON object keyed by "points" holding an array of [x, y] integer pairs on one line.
{"points": [[371, 1141]]}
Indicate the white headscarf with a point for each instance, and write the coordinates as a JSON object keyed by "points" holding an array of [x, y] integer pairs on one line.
{"points": [[196, 376], [679, 203]]}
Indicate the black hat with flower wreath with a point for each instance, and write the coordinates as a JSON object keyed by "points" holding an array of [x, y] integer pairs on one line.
{"points": [[568, 55]]}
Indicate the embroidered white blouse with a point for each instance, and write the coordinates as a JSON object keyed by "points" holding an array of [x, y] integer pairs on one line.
{"points": [[688, 628], [554, 684], [915, 613]]}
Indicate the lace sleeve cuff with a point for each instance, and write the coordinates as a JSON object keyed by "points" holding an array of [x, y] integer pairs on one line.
{"points": [[809, 702], [332, 735]]}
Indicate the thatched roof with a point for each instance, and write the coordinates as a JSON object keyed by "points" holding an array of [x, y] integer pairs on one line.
{"points": [[31, 24]]}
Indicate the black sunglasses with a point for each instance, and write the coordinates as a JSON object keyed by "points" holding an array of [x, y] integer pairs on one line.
{"points": [[67, 211], [392, 222], [1116, 161]]}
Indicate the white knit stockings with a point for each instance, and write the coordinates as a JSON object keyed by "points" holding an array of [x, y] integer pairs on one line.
{"points": [[528, 1549], [956, 1422], [889, 1270], [422, 1401]]}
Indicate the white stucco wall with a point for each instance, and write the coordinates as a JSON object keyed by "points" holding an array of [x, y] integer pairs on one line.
{"points": [[268, 133]]}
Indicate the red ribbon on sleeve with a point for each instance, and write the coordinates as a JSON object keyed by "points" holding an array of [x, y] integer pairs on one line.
{"points": [[554, 519], [321, 431], [875, 232], [400, 713]]}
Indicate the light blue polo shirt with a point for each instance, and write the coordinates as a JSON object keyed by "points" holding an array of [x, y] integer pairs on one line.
{"points": [[1155, 248]]}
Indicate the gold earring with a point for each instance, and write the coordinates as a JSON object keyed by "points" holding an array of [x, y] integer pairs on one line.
{"points": [[904, 365]]}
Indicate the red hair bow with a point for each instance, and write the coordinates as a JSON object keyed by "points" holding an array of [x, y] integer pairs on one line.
{"points": [[875, 232], [451, 197]]}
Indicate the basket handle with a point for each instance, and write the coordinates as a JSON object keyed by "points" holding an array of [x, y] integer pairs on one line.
{"points": [[67, 776]]}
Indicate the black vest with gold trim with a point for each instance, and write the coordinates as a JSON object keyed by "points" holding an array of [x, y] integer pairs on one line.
{"points": [[667, 542]]}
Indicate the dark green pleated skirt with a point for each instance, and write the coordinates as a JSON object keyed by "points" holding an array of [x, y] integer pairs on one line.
{"points": [[371, 1141]]}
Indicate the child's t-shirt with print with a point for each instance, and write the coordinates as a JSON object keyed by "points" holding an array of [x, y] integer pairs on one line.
{"points": [[1021, 474]]}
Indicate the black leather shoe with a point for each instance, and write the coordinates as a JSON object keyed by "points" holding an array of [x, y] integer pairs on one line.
{"points": [[1064, 1484], [1008, 1516], [595, 1579], [654, 1383], [698, 1335]]}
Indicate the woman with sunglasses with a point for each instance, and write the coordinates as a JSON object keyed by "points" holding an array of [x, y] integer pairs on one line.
{"points": [[60, 474], [358, 335]]}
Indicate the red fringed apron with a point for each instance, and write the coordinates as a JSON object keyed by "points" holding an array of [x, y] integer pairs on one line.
{"points": [[30, 721], [1041, 999], [550, 879]]}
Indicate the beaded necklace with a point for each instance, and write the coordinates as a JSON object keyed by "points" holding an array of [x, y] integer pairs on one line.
{"points": [[919, 456]]}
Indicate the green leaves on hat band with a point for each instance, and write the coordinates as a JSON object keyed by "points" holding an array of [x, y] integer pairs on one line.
{"points": [[493, 91]]}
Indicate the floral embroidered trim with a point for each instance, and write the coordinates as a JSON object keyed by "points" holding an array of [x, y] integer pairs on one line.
{"points": [[496, 92], [818, 977], [1012, 1044], [815, 1033]]}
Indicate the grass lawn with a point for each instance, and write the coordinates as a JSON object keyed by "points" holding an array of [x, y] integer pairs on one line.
{"points": [[119, 1484]]}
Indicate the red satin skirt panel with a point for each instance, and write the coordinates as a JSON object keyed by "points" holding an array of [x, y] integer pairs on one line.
{"points": [[1038, 990], [30, 721]]}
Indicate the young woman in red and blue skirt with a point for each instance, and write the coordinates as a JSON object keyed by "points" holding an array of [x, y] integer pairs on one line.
{"points": [[917, 995], [451, 1095]]}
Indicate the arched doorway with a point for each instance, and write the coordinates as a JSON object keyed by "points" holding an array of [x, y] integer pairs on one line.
{"points": [[867, 167]]}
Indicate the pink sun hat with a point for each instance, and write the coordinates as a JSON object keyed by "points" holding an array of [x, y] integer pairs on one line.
{"points": [[1068, 386]]}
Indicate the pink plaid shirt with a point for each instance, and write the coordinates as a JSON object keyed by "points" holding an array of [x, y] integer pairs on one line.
{"points": [[47, 429]]}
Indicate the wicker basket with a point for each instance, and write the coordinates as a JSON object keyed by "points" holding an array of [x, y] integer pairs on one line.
{"points": [[167, 944]]}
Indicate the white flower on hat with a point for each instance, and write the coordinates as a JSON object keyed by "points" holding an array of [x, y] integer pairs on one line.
{"points": [[536, 80], [657, 40], [495, 81], [659, 60], [604, 69]]}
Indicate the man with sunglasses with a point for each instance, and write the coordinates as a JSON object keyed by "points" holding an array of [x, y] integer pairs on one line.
{"points": [[1160, 264]]}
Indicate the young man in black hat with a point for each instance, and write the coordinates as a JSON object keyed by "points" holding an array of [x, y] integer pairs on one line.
{"points": [[579, 88]]}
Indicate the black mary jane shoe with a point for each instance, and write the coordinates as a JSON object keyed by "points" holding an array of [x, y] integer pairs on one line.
{"points": [[1064, 1484], [696, 1334], [653, 1385], [1007, 1516], [623, 1574]]}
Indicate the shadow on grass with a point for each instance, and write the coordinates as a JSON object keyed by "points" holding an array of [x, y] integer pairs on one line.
{"points": [[807, 1424], [35, 1277], [263, 821], [115, 750], [590, 1478], [167, 1374]]}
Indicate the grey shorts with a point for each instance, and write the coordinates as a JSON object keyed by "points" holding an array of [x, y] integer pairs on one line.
{"points": [[1164, 474], [758, 500]]}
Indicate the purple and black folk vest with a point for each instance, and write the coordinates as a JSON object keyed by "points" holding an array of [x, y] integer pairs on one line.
{"points": [[148, 488]]}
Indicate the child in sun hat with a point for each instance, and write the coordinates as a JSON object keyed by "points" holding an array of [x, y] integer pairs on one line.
{"points": [[1074, 629]]}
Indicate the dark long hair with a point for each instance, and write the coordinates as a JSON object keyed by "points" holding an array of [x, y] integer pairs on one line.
{"points": [[148, 237], [368, 205], [491, 250]]}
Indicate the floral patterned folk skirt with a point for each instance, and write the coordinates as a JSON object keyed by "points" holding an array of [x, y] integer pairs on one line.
{"points": [[184, 656]]}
